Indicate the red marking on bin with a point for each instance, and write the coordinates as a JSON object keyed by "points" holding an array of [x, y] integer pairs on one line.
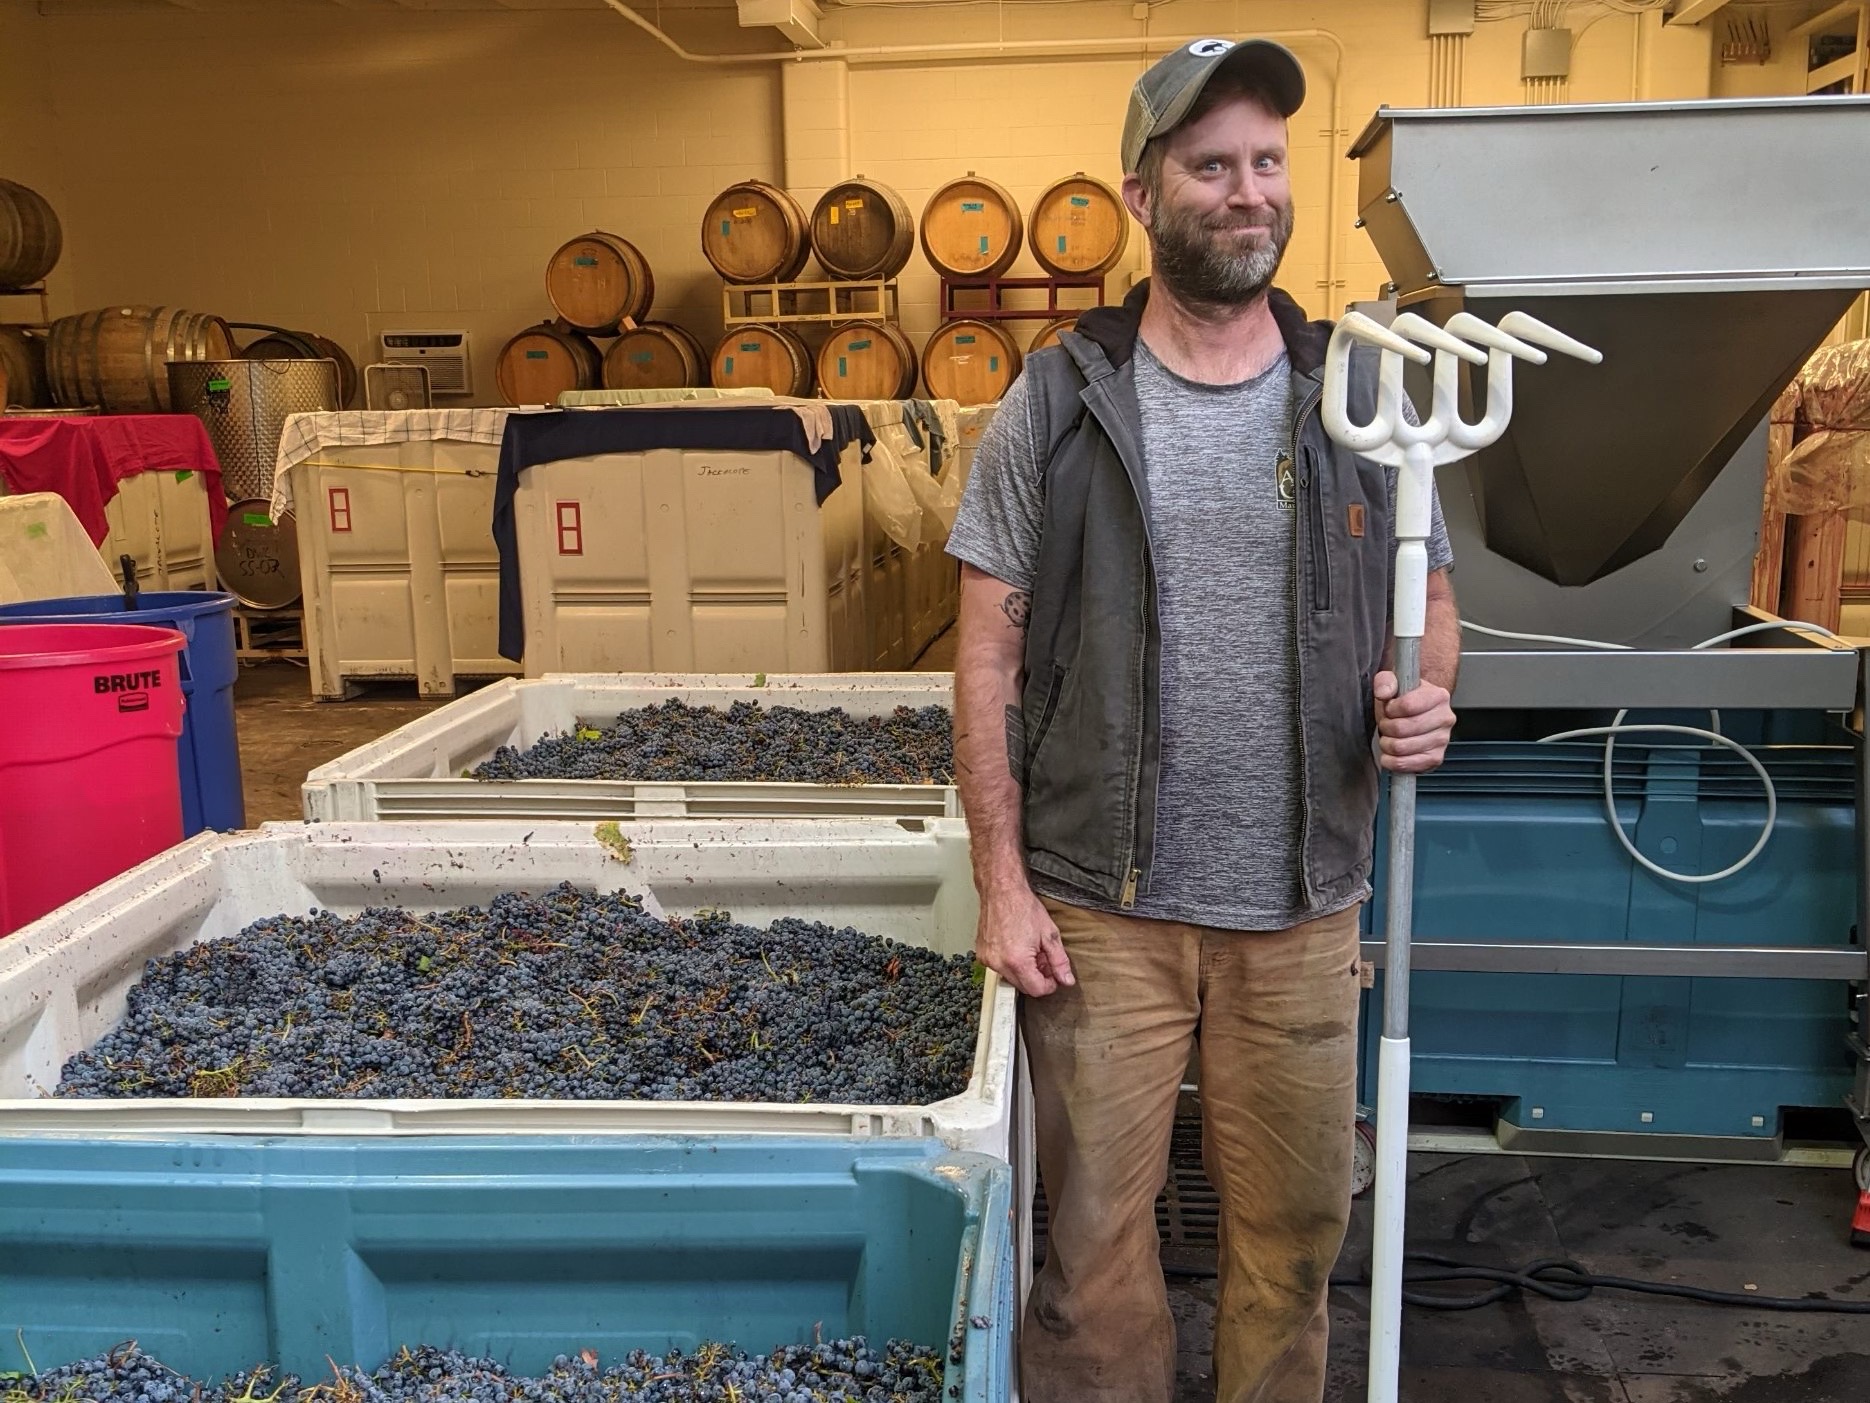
{"points": [[340, 501], [570, 528]]}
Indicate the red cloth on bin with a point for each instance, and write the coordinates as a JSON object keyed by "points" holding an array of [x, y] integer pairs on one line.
{"points": [[83, 459]]}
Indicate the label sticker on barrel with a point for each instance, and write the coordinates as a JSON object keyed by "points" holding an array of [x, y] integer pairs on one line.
{"points": [[834, 214], [642, 357], [967, 340], [547, 355], [219, 384], [863, 345], [1081, 201], [993, 363], [584, 260], [131, 689], [843, 370], [983, 243], [854, 204], [749, 346], [747, 213], [726, 228], [973, 206], [256, 519], [1061, 243]]}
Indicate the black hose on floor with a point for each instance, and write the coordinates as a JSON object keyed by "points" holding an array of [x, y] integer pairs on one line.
{"points": [[1558, 1280]]}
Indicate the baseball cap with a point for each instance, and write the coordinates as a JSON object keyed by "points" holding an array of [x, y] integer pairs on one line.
{"points": [[1166, 94]]}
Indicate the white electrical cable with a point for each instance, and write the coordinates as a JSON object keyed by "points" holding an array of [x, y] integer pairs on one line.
{"points": [[1617, 727]]}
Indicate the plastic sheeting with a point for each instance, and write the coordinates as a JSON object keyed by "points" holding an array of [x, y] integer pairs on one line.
{"points": [[1819, 450]]}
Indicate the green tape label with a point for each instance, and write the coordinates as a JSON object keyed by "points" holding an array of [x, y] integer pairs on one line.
{"points": [[1061, 243], [751, 346], [973, 206], [256, 519], [35, 530], [993, 363], [547, 355], [983, 243], [1081, 201], [863, 345], [843, 370], [726, 225], [967, 340], [584, 260], [642, 357], [184, 474], [219, 384], [727, 368]]}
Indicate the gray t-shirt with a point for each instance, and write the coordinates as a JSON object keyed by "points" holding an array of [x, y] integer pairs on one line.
{"points": [[1221, 536]]}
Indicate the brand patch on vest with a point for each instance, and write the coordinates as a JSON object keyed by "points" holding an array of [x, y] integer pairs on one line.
{"points": [[1284, 480], [1355, 512]]}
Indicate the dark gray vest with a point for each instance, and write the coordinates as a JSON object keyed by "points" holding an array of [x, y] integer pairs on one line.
{"points": [[1086, 747]]}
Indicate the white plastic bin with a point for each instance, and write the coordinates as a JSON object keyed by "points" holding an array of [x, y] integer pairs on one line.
{"points": [[416, 772], [397, 555], [64, 978], [162, 521]]}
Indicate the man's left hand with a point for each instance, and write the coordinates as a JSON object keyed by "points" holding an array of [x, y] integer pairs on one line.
{"points": [[1413, 730]]}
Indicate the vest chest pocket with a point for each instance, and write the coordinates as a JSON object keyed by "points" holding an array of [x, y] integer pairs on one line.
{"points": [[1312, 493]]}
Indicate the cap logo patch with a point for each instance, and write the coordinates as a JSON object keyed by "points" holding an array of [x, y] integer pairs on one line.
{"points": [[1208, 48]]}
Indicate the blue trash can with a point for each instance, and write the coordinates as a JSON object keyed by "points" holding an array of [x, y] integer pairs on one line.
{"points": [[210, 753]]}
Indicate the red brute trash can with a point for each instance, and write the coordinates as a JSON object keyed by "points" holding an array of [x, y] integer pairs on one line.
{"points": [[90, 718]]}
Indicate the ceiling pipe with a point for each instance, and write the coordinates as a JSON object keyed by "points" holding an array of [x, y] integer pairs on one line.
{"points": [[1016, 49]]}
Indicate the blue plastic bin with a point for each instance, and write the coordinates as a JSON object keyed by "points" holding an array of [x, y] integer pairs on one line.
{"points": [[215, 1255], [210, 753]]}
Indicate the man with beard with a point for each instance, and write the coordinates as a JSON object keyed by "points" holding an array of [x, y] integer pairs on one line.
{"points": [[1173, 627]]}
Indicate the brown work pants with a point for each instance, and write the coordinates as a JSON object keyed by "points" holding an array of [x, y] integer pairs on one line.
{"points": [[1275, 1013]]}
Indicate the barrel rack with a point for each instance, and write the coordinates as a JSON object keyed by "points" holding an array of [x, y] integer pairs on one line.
{"points": [[996, 289], [771, 303]]}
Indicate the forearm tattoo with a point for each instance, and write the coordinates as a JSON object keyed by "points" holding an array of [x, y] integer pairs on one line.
{"points": [[1017, 606]]}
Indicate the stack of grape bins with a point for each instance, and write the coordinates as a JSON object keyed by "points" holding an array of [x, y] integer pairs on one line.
{"points": [[472, 1095]]}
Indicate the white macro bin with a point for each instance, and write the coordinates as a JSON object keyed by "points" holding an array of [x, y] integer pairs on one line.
{"points": [[64, 979], [397, 556], [161, 520], [45, 553], [416, 772]]}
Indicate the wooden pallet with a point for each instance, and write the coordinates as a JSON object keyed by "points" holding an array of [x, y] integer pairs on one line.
{"points": [[807, 302], [268, 635]]}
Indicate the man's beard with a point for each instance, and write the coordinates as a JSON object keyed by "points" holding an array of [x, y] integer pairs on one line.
{"points": [[1190, 252]]}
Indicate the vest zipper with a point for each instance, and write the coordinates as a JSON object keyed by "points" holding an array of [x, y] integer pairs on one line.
{"points": [[1128, 897], [1305, 406]]}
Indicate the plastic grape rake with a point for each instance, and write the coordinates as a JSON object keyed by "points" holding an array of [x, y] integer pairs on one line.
{"points": [[1415, 451]]}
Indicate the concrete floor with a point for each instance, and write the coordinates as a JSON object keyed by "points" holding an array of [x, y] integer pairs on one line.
{"points": [[1782, 1231]]}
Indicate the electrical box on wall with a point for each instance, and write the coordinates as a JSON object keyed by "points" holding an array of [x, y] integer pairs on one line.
{"points": [[444, 353], [1450, 17], [1546, 54]]}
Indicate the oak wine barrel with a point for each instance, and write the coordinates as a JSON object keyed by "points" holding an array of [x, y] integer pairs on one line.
{"points": [[280, 344], [656, 356], [970, 362], [971, 228], [597, 280], [1047, 335], [867, 360], [754, 355], [1079, 227], [30, 237], [22, 369], [543, 361], [755, 233], [118, 357], [862, 231]]}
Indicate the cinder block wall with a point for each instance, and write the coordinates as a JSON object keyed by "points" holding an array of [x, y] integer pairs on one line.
{"points": [[351, 170]]}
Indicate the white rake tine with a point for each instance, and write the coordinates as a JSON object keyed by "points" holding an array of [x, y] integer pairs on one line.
{"points": [[1467, 325], [1422, 329], [1530, 328], [1374, 333]]}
